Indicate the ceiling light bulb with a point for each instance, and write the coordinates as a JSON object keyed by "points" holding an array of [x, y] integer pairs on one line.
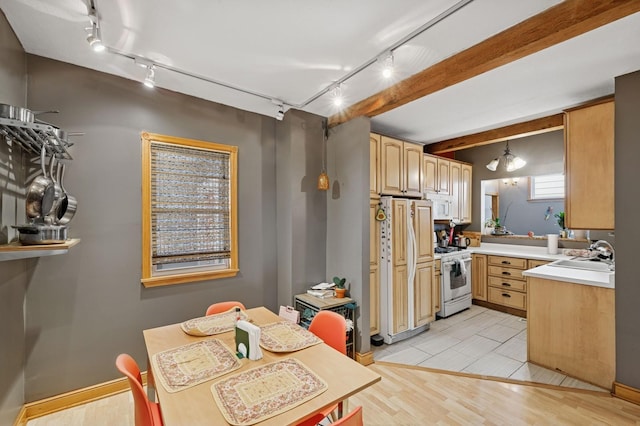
{"points": [[493, 164], [150, 80]]}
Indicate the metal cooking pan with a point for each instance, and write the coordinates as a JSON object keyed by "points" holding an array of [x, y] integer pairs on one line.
{"points": [[68, 203], [57, 192], [41, 193]]}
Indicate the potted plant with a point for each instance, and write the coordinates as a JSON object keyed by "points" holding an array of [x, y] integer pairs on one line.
{"points": [[340, 289], [563, 230]]}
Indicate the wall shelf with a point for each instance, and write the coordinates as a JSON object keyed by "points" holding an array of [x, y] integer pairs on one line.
{"points": [[16, 250]]}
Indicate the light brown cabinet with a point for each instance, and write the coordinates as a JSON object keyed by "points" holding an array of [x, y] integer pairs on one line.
{"points": [[436, 174], [455, 173], [506, 284], [423, 284], [374, 165], [571, 329], [449, 177], [479, 276], [465, 193], [436, 290], [400, 167], [400, 299], [589, 167], [374, 269]]}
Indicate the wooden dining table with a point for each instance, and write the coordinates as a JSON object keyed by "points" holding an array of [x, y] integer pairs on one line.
{"points": [[196, 406]]}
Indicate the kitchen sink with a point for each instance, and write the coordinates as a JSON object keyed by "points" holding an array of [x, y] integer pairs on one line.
{"points": [[586, 264]]}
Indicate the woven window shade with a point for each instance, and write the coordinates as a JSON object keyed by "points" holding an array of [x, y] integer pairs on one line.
{"points": [[190, 204]]}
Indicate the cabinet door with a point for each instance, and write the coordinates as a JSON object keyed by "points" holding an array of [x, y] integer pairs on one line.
{"points": [[422, 213], [455, 172], [465, 193], [589, 166], [436, 288], [423, 294], [413, 169], [443, 180], [429, 173], [479, 276], [399, 229], [391, 173], [374, 166], [400, 299], [374, 302]]}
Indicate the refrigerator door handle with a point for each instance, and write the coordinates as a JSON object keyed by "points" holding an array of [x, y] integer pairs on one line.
{"points": [[413, 264]]}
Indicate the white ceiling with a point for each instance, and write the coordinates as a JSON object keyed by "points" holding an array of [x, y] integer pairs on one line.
{"points": [[293, 50]]}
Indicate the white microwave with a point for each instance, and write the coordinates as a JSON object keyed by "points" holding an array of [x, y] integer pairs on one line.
{"points": [[442, 206]]}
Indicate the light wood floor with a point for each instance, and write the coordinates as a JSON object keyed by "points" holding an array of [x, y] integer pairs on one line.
{"points": [[418, 396]]}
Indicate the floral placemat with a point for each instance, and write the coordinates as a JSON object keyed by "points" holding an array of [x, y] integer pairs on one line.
{"points": [[189, 365], [285, 336], [212, 324], [263, 392]]}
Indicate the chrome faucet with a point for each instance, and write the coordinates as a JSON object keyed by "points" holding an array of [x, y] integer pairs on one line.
{"points": [[604, 251]]}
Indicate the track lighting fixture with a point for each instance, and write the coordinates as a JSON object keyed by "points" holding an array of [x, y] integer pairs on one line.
{"points": [[150, 79], [511, 162], [387, 66], [280, 113], [94, 39], [338, 100]]}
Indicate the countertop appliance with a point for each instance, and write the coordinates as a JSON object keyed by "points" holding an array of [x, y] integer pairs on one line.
{"points": [[406, 247], [455, 269]]}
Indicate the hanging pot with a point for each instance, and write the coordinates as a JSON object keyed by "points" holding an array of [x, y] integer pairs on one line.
{"points": [[57, 193], [41, 193], [68, 203]]}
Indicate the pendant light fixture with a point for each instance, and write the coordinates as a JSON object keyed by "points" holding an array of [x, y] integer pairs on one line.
{"points": [[511, 162], [323, 179]]}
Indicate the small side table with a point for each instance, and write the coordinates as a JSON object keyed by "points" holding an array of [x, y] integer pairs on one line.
{"points": [[309, 306]]}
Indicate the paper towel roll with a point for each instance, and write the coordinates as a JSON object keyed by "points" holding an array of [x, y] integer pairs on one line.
{"points": [[552, 243]]}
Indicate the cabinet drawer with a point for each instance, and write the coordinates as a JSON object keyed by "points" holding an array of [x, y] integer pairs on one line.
{"points": [[508, 284], [509, 298], [499, 271], [509, 262]]}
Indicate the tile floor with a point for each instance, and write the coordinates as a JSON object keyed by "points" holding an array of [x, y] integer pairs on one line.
{"points": [[479, 341]]}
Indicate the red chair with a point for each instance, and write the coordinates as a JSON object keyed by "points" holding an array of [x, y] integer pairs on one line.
{"points": [[220, 307], [354, 418], [332, 329], [147, 413]]}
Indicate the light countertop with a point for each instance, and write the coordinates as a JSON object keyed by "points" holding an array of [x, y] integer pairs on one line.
{"points": [[577, 276]]}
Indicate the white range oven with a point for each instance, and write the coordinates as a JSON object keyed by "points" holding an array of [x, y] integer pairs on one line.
{"points": [[455, 269]]}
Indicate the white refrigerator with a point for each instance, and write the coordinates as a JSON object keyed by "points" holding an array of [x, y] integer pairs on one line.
{"points": [[407, 279]]}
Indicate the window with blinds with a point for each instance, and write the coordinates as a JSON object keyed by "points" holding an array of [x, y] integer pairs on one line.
{"points": [[189, 210], [547, 187]]}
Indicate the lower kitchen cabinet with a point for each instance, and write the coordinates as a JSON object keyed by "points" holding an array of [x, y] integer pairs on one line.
{"points": [[423, 285], [479, 276], [571, 329]]}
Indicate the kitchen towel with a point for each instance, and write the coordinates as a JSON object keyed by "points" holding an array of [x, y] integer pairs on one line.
{"points": [[552, 243]]}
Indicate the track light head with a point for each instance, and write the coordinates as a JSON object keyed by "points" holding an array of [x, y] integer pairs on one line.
{"points": [[280, 113], [338, 100], [150, 79], [94, 39], [387, 66]]}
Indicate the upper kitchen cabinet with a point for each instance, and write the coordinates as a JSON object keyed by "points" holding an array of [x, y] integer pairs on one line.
{"points": [[374, 165], [589, 166], [436, 174], [465, 193], [401, 167]]}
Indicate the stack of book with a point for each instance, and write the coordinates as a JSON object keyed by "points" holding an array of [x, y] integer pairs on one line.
{"points": [[322, 290]]}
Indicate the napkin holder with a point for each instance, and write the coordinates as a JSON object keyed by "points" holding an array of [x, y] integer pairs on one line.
{"points": [[248, 340]]}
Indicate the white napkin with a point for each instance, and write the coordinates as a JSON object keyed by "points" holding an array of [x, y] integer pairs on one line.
{"points": [[248, 340]]}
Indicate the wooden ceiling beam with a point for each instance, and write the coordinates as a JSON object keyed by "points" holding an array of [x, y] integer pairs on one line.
{"points": [[513, 131], [555, 25]]}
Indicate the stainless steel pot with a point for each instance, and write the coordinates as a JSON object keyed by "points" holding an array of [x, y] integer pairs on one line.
{"points": [[57, 191], [41, 234], [41, 193], [68, 203]]}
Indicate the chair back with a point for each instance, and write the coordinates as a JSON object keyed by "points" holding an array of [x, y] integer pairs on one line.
{"points": [[220, 307], [331, 327], [354, 418], [128, 367]]}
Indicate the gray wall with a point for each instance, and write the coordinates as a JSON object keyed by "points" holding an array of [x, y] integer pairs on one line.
{"points": [[627, 153], [544, 155], [14, 274], [301, 208], [523, 215], [85, 307], [348, 217]]}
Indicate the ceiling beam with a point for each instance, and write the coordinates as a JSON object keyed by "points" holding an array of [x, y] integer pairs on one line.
{"points": [[555, 25], [514, 131]]}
